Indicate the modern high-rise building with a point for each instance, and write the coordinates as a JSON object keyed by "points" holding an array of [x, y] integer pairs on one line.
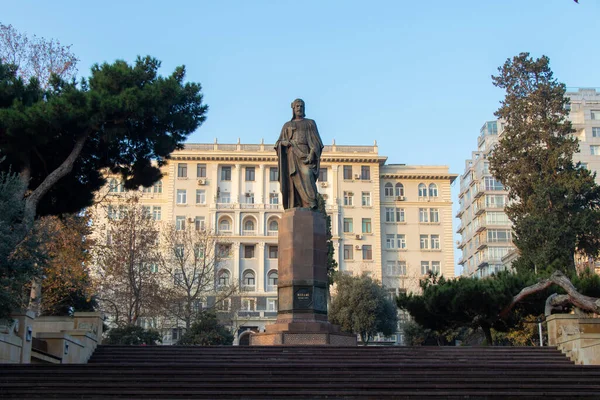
{"points": [[486, 241], [392, 222]]}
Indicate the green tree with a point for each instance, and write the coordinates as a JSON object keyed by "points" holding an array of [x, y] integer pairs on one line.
{"points": [[447, 305], [362, 306], [554, 204], [132, 335], [331, 263], [20, 252], [207, 331]]}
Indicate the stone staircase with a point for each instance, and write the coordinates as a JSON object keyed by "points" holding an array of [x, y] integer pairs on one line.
{"points": [[182, 372]]}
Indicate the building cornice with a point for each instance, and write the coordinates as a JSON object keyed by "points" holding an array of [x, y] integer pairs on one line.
{"points": [[423, 176], [355, 158]]}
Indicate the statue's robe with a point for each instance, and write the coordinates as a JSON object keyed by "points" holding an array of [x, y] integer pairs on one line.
{"points": [[298, 180]]}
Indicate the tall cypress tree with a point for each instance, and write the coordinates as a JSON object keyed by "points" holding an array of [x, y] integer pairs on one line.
{"points": [[554, 203]]}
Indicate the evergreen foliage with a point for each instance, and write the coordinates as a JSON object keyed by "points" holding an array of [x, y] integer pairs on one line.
{"points": [[554, 204], [132, 335], [331, 262], [207, 331], [362, 306], [20, 252]]}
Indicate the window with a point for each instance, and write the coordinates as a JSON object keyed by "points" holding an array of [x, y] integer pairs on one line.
{"points": [[146, 212], [365, 173], [433, 190], [273, 251], [199, 223], [180, 223], [348, 225], [122, 212], [248, 304], [224, 250], [348, 252], [249, 198], [366, 225], [390, 241], [249, 251], [225, 173], [423, 215], [424, 240], [348, 172], [400, 215], [401, 241], [435, 267], [181, 196], [366, 199], [273, 174], [492, 184], [157, 187], [422, 190], [395, 268], [424, 267], [156, 213], [112, 212], [224, 305], [273, 225], [497, 218], [595, 150], [495, 200], [178, 251], [200, 196], [113, 186], [271, 304], [323, 175], [248, 279], [182, 170], [367, 252], [250, 173], [595, 114], [249, 225], [434, 215], [272, 278], [224, 197], [399, 189], [274, 198], [225, 225], [147, 189], [596, 132], [388, 190], [348, 198], [435, 242], [201, 170], [390, 214]]}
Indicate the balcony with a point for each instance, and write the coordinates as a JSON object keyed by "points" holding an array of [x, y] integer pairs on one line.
{"points": [[249, 205], [272, 233], [249, 233], [461, 228], [271, 288], [460, 213]]}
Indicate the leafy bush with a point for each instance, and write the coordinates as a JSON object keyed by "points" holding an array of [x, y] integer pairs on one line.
{"points": [[207, 331], [133, 335]]}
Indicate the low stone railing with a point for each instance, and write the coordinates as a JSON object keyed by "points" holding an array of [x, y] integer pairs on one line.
{"points": [[577, 337]]}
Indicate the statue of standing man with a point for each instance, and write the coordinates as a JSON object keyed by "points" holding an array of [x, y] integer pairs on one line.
{"points": [[299, 150]]}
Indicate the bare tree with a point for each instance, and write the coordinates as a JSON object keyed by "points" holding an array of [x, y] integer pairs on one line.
{"points": [[127, 257], [36, 57], [190, 261]]}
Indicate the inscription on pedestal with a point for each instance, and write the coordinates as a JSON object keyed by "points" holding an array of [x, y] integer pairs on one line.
{"points": [[303, 298]]}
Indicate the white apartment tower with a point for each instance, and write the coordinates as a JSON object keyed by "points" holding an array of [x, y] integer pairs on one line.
{"points": [[486, 241]]}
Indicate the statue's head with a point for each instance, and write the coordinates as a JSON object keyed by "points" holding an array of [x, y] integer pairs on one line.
{"points": [[298, 108]]}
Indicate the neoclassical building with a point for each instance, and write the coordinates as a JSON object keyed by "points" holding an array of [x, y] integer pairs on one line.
{"points": [[392, 222]]}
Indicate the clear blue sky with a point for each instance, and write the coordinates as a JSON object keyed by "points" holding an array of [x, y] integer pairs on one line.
{"points": [[413, 75]]}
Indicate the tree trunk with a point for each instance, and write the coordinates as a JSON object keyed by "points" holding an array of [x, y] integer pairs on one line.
{"points": [[488, 334], [586, 303]]}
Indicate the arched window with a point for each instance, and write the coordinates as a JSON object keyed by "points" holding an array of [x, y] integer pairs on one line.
{"points": [[399, 189], [422, 190], [113, 186], [273, 227], [272, 280], [224, 278], [433, 192], [388, 190], [225, 225], [249, 224], [248, 280]]}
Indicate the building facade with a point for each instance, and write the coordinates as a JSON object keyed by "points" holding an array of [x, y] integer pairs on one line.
{"points": [[486, 236], [392, 222]]}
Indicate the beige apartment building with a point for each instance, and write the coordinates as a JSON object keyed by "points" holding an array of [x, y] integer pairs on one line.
{"points": [[486, 234], [392, 222]]}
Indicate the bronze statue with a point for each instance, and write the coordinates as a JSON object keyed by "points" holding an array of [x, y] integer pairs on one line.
{"points": [[299, 151]]}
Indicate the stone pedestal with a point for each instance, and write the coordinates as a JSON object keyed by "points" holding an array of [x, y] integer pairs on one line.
{"points": [[302, 285]]}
